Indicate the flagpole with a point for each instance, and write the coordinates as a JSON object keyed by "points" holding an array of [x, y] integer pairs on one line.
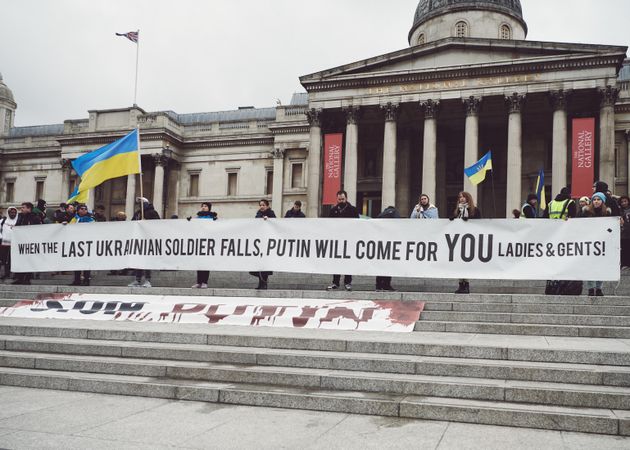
{"points": [[135, 92], [140, 166]]}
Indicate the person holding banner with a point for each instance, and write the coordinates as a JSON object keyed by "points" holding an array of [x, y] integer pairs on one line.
{"points": [[611, 203], [562, 207], [6, 232], [424, 209], [82, 216], [264, 212], [342, 210], [597, 208], [530, 208], [465, 210], [148, 212], [204, 214], [26, 218]]}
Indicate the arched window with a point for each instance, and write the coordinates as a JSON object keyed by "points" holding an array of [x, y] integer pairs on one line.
{"points": [[461, 29], [421, 39], [505, 32]]}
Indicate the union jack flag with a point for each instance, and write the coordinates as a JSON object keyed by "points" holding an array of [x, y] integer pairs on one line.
{"points": [[133, 36]]}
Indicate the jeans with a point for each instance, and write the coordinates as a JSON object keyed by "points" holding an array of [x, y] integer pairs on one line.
{"points": [[594, 284]]}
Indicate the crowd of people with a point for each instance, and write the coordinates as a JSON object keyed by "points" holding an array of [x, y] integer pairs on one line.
{"points": [[601, 204]]}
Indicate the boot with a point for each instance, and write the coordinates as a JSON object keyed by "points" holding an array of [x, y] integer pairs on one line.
{"points": [[599, 293], [464, 288], [591, 292], [262, 285]]}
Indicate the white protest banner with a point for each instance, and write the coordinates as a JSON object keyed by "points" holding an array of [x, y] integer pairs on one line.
{"points": [[325, 314], [579, 249]]}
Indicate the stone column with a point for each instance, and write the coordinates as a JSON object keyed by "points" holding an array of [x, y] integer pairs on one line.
{"points": [[429, 149], [90, 200], [314, 182], [608, 97], [513, 198], [278, 180], [352, 153], [130, 200], [66, 165], [389, 155], [560, 145], [158, 184], [628, 155], [471, 140]]}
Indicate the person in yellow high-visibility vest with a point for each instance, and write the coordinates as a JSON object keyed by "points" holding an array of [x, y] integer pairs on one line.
{"points": [[562, 207]]}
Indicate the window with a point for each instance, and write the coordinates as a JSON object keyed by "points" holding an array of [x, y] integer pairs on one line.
{"points": [[99, 193], [297, 181], [422, 39], [39, 189], [505, 32], [232, 184], [461, 29], [269, 182], [10, 192], [193, 185]]}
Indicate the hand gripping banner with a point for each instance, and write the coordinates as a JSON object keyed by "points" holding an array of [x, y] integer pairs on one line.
{"points": [[578, 249]]}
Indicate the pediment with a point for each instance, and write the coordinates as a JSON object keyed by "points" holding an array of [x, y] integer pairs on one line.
{"points": [[464, 55]]}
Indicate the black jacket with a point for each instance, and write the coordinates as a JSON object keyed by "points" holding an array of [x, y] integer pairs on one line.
{"points": [[267, 213], [28, 219], [571, 208], [149, 213], [611, 203], [347, 211], [292, 214]]}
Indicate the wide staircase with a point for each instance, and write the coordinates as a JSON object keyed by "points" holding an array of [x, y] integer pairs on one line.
{"points": [[524, 360]]}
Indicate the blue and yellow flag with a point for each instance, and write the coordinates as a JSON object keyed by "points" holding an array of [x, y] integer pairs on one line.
{"points": [[477, 173], [540, 191], [114, 160]]}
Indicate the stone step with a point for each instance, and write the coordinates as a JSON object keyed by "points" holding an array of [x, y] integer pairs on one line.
{"points": [[589, 420], [558, 394], [529, 329], [513, 348], [543, 319], [528, 308], [363, 362]]}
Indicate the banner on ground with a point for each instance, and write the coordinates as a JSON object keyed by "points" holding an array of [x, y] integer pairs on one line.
{"points": [[583, 152], [333, 143], [579, 249], [330, 314]]}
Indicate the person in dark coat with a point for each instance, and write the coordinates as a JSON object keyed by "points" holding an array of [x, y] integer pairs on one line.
{"points": [[562, 207], [611, 203], [530, 208], [26, 218], [204, 213], [624, 206], [83, 216], [264, 212], [59, 216], [143, 277], [295, 212], [342, 210], [597, 208], [466, 209], [385, 283], [99, 214]]}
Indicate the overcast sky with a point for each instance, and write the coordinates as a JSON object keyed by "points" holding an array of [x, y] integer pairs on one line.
{"points": [[61, 58]]}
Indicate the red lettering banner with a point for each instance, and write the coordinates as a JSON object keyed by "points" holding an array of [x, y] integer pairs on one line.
{"points": [[583, 152], [332, 167]]}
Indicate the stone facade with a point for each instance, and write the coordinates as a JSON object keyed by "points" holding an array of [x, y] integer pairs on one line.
{"points": [[412, 120]]}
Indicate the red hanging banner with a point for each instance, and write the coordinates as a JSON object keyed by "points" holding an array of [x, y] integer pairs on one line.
{"points": [[583, 152], [332, 167]]}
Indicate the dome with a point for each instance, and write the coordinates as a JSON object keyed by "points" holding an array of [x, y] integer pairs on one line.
{"points": [[5, 92], [430, 9]]}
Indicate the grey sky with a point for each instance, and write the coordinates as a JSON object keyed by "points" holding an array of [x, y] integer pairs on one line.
{"points": [[61, 58]]}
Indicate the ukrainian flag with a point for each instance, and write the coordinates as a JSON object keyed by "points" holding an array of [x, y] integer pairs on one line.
{"points": [[477, 173], [114, 160], [540, 191]]}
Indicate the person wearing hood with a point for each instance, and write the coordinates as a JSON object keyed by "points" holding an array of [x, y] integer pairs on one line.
{"points": [[25, 218], [600, 186], [40, 210], [424, 209], [6, 231], [204, 214], [597, 208], [562, 207], [146, 212], [530, 208]]}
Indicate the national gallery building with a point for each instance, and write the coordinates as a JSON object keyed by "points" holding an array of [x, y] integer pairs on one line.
{"points": [[411, 121]]}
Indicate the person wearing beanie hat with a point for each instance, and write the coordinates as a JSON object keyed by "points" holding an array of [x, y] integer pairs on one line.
{"points": [[600, 186], [530, 208], [562, 207], [597, 208], [583, 203]]}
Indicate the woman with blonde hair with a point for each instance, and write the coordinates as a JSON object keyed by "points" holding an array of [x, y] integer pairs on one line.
{"points": [[465, 210]]}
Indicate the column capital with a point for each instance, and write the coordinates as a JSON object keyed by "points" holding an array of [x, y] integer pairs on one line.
{"points": [[160, 159], [472, 104], [314, 117], [608, 96], [627, 133], [65, 163], [559, 99], [278, 153], [391, 111], [353, 113], [430, 108], [515, 102]]}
